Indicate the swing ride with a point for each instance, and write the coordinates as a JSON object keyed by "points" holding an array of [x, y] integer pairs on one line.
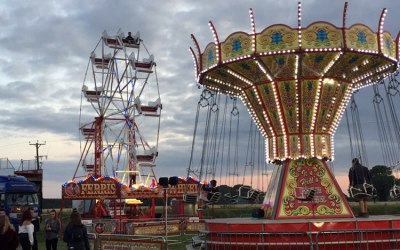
{"points": [[296, 83]]}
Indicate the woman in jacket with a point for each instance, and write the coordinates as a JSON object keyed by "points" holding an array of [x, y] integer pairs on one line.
{"points": [[25, 230]]}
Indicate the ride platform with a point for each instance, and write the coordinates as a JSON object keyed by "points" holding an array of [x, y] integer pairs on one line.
{"points": [[376, 232]]}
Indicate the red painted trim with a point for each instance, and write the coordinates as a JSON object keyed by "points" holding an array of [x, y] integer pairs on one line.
{"points": [[195, 61], [198, 52], [98, 144], [397, 45], [217, 43], [380, 31], [344, 24], [278, 98]]}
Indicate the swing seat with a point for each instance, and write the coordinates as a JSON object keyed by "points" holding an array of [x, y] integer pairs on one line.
{"points": [[249, 193], [233, 199], [361, 191], [395, 192], [214, 198]]}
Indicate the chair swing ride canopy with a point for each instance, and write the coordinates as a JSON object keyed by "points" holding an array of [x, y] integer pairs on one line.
{"points": [[297, 81]]}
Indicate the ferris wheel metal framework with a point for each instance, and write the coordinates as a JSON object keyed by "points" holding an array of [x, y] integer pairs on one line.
{"points": [[125, 132]]}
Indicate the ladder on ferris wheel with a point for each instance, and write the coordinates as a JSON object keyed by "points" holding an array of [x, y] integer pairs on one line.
{"points": [[152, 109], [88, 133], [146, 65], [119, 41], [89, 168]]}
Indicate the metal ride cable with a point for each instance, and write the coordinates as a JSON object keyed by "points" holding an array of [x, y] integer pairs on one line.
{"points": [[235, 172], [222, 139], [384, 128], [212, 142], [350, 135], [393, 91], [249, 149], [235, 113], [357, 129], [196, 122]]}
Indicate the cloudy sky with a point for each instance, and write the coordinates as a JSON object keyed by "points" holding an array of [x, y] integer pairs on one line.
{"points": [[45, 47]]}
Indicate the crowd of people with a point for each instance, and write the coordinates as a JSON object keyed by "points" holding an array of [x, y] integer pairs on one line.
{"points": [[75, 233]]}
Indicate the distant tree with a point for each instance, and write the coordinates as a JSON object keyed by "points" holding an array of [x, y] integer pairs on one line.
{"points": [[383, 180]]}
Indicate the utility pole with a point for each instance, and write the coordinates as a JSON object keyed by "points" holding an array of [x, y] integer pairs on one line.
{"points": [[37, 145]]}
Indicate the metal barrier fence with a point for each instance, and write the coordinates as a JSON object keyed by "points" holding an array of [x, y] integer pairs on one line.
{"points": [[118, 241], [371, 239], [358, 239], [262, 240]]}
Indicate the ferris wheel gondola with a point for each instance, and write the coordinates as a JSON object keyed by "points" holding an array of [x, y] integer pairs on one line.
{"points": [[121, 87]]}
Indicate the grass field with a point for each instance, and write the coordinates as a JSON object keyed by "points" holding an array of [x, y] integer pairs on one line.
{"points": [[179, 242]]}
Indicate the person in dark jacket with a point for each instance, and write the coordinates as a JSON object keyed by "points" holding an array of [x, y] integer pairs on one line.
{"points": [[358, 175], [75, 234], [8, 235], [36, 223], [52, 227]]}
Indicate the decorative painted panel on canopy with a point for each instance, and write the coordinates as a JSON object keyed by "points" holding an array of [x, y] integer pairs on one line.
{"points": [[281, 66], [288, 98], [322, 35], [270, 101], [248, 69], [236, 45], [209, 57], [309, 91], [359, 36], [388, 45], [353, 66], [276, 38], [326, 102], [315, 64]]}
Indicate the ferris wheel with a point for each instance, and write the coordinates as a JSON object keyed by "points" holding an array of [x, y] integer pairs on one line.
{"points": [[122, 93]]}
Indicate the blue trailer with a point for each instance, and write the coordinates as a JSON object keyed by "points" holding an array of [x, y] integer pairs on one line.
{"points": [[16, 195]]}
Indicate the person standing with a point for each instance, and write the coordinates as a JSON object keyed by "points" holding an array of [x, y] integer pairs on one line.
{"points": [[36, 226], [8, 236], [25, 230], [75, 234], [358, 175], [52, 228], [207, 191]]}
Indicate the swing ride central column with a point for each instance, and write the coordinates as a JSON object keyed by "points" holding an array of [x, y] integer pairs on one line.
{"points": [[296, 83]]}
